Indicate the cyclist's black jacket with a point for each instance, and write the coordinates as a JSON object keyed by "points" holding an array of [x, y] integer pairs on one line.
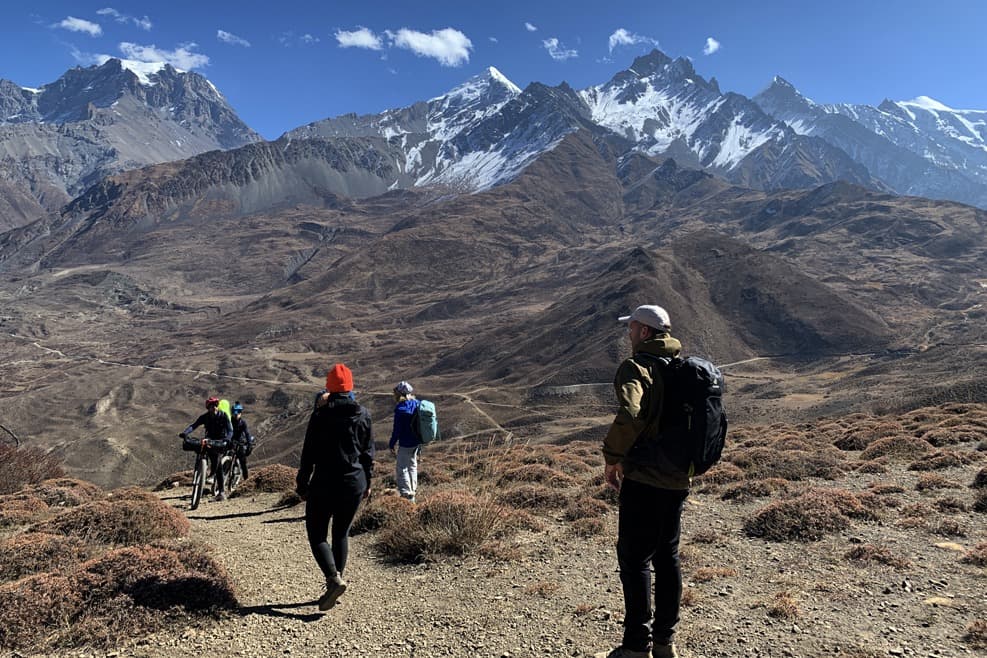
{"points": [[338, 454], [217, 425], [241, 435]]}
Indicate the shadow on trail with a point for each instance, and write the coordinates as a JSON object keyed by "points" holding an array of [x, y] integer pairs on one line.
{"points": [[290, 519], [237, 515], [276, 610]]}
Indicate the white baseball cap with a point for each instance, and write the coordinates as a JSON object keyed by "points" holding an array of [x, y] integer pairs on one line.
{"points": [[653, 316]]}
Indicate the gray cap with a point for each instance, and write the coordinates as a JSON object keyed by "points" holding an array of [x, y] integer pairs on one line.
{"points": [[653, 316]]}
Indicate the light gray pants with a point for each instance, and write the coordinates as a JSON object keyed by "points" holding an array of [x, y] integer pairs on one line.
{"points": [[407, 471]]}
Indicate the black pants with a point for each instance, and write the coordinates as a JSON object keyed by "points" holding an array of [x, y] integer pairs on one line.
{"points": [[217, 472], [648, 536], [339, 507]]}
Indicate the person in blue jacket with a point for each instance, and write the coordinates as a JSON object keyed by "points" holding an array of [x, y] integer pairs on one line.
{"points": [[405, 443]]}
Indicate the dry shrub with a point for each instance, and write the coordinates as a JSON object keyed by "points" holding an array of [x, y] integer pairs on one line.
{"points": [[34, 552], [913, 515], [20, 466], [539, 473], [783, 606], [589, 527], [452, 522], [807, 517], [585, 508], [583, 609], [882, 489], [501, 551], [380, 512], [858, 438], [873, 466], [706, 574], [900, 447], [976, 634], [689, 598], [941, 437], [119, 522], [111, 599], [175, 481], [976, 556], [946, 527], [854, 505], [980, 480], [434, 476], [931, 481], [65, 492], [951, 504], [274, 478], [980, 503], [706, 536], [602, 491], [21, 509], [761, 463], [878, 554], [534, 497], [940, 460], [542, 588], [748, 490], [720, 474]]}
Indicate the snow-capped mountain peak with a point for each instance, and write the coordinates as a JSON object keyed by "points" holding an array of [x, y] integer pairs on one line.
{"points": [[143, 70]]}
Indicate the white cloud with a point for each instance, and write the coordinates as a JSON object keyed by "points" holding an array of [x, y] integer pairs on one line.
{"points": [[530, 28], [558, 51], [308, 38], [493, 40], [622, 37], [359, 38], [232, 39], [449, 46], [289, 39], [143, 23], [181, 58], [74, 24], [712, 45]]}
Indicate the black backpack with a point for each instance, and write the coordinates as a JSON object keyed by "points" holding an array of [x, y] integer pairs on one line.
{"points": [[691, 427]]}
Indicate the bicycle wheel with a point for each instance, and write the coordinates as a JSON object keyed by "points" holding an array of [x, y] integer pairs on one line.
{"points": [[199, 479], [234, 473]]}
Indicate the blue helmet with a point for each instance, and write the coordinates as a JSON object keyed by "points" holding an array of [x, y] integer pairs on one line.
{"points": [[238, 408]]}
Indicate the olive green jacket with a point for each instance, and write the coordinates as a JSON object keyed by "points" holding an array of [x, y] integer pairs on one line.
{"points": [[639, 398]]}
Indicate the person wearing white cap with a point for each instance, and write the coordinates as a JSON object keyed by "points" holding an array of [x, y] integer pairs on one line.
{"points": [[405, 443], [651, 500]]}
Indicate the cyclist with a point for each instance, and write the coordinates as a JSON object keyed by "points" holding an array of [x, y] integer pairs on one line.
{"points": [[218, 428], [242, 439]]}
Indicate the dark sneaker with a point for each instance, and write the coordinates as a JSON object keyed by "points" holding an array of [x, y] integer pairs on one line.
{"points": [[219, 497], [334, 589], [664, 651], [621, 652]]}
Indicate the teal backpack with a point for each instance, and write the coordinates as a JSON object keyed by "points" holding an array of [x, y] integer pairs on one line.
{"points": [[424, 423]]}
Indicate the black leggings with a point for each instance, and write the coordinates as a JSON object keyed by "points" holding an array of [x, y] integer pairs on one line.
{"points": [[320, 509]]}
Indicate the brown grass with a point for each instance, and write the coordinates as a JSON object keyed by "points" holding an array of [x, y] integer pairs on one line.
{"points": [[32, 552], [706, 574], [542, 588], [174, 481], [380, 512], [976, 634], [951, 504], [873, 466], [871, 553], [122, 594], [585, 508], [121, 521], [21, 509], [795, 465], [946, 527], [976, 556], [275, 478], [453, 522], [20, 466], [589, 527], [808, 517], [940, 460], [748, 490], [533, 497], [941, 437], [883, 489], [783, 605], [539, 473], [900, 447], [932, 481], [721, 473]]}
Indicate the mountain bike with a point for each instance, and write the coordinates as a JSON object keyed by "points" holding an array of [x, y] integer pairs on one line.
{"points": [[201, 470]]}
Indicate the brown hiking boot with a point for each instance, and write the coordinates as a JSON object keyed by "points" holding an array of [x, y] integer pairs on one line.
{"points": [[334, 589], [664, 651]]}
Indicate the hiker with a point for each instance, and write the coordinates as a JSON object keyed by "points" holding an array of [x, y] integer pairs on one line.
{"points": [[334, 475], [242, 439], [405, 443], [651, 499], [218, 428]]}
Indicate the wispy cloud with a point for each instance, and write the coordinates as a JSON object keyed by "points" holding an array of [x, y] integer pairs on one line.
{"points": [[622, 37], [182, 57], [557, 51], [232, 39], [143, 23], [449, 46], [493, 40], [74, 24], [712, 45], [359, 38], [530, 28], [289, 39]]}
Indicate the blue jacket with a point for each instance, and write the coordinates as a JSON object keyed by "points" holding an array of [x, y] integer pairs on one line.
{"points": [[402, 434]]}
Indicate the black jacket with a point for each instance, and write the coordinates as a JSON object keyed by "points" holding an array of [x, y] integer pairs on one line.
{"points": [[241, 434], [217, 424], [339, 448]]}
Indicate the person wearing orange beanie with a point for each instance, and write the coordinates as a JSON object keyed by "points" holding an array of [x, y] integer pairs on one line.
{"points": [[334, 475]]}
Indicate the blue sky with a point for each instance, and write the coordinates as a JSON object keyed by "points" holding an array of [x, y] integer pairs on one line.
{"points": [[286, 63]]}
